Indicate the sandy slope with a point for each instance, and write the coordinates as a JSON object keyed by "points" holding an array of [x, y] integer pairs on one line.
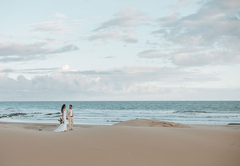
{"points": [[150, 123], [119, 145]]}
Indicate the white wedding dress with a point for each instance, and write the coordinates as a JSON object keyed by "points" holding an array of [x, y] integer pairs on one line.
{"points": [[63, 126]]}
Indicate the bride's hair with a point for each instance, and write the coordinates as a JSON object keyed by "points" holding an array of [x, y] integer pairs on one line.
{"points": [[63, 107]]}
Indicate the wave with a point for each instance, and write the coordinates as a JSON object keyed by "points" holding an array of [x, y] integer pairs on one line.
{"points": [[36, 113], [193, 112], [10, 108], [169, 112]]}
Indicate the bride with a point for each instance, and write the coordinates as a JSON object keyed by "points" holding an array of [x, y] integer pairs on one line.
{"points": [[63, 126]]}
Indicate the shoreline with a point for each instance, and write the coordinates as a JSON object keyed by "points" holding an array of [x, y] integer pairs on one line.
{"points": [[105, 124]]}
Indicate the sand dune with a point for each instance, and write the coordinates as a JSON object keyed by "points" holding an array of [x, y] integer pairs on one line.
{"points": [[150, 123], [119, 145]]}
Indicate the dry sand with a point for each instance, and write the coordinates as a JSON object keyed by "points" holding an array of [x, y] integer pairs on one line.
{"points": [[133, 143], [150, 123]]}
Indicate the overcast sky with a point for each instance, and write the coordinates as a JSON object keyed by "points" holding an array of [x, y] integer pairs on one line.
{"points": [[119, 50]]}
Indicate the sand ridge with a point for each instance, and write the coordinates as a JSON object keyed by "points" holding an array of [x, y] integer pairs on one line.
{"points": [[150, 123]]}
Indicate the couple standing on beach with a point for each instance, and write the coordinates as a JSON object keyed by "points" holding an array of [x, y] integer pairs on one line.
{"points": [[66, 115]]}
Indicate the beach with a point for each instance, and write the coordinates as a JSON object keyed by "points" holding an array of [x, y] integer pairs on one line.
{"points": [[137, 142]]}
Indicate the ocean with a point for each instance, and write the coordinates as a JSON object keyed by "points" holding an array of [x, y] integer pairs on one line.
{"points": [[110, 112]]}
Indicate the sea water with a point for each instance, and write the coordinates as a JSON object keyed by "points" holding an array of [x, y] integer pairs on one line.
{"points": [[110, 112]]}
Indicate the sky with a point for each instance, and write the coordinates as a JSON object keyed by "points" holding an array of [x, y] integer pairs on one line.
{"points": [[83, 50]]}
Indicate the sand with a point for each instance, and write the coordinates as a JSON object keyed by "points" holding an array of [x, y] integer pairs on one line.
{"points": [[150, 123], [133, 143]]}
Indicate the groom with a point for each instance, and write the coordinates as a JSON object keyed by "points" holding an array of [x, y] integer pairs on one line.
{"points": [[70, 117]]}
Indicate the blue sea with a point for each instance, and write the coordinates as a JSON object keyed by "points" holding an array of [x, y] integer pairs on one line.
{"points": [[110, 112]]}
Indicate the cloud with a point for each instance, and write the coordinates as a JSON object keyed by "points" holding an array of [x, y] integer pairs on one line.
{"points": [[101, 36], [59, 15], [213, 57], [78, 22], [211, 36], [170, 17], [66, 48], [128, 17], [25, 52], [120, 27], [105, 36], [135, 74], [152, 43], [130, 39], [129, 80], [109, 57], [144, 89], [58, 27], [152, 53], [180, 3], [27, 71], [7, 70], [192, 58]]}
